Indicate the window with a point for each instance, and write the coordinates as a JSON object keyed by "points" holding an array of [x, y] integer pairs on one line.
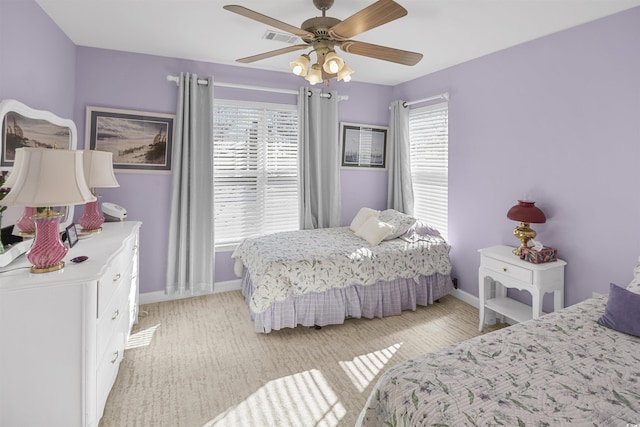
{"points": [[255, 157], [429, 136]]}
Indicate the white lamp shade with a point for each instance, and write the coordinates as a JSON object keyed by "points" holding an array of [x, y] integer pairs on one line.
{"points": [[300, 65], [47, 178], [98, 169], [345, 73], [315, 74], [11, 179], [332, 63]]}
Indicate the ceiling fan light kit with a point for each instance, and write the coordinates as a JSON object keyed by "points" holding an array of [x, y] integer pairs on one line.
{"points": [[300, 65], [323, 34]]}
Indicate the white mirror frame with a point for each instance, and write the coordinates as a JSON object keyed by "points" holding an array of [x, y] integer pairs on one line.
{"points": [[13, 213]]}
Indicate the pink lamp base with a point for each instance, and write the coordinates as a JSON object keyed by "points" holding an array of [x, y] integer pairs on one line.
{"points": [[48, 250], [91, 220], [25, 224]]}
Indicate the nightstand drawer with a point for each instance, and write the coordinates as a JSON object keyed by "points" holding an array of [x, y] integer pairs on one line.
{"points": [[516, 272]]}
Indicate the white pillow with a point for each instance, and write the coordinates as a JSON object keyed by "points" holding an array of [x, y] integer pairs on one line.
{"points": [[634, 286], [374, 230], [399, 221], [362, 215]]}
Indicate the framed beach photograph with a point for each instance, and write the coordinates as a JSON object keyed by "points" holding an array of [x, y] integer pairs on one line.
{"points": [[363, 146], [141, 142]]}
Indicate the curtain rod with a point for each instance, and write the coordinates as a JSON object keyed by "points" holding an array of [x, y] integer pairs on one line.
{"points": [[444, 96], [176, 79]]}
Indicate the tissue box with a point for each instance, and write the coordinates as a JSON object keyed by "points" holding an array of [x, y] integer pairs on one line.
{"points": [[538, 257]]}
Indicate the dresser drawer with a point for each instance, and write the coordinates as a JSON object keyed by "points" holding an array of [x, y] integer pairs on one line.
{"points": [[118, 272], [516, 272], [118, 308], [108, 366]]}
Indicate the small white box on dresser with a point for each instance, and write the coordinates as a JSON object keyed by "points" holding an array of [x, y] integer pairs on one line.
{"points": [[62, 334]]}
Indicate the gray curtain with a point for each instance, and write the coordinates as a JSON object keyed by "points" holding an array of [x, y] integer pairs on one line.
{"points": [[400, 188], [190, 260], [319, 160]]}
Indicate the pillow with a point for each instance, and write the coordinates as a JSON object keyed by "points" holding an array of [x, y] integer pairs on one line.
{"points": [[401, 222], [622, 312], [374, 230], [362, 215], [420, 231]]}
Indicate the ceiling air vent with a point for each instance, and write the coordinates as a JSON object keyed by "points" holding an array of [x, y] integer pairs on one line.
{"points": [[280, 37]]}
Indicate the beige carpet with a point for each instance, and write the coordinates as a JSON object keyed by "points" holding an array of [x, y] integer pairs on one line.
{"points": [[198, 362]]}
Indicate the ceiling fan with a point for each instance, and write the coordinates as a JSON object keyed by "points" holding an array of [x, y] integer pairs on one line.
{"points": [[324, 33]]}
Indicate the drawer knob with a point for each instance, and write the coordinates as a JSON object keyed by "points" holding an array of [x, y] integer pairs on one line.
{"points": [[115, 279], [116, 314], [504, 269], [116, 354]]}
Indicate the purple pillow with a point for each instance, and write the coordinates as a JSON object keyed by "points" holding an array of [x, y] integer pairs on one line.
{"points": [[622, 312]]}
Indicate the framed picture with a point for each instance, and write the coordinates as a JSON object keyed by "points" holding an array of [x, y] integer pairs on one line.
{"points": [[141, 142], [363, 146], [72, 235]]}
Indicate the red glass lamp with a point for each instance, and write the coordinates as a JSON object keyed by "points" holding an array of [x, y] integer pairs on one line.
{"points": [[526, 212], [48, 178], [98, 172]]}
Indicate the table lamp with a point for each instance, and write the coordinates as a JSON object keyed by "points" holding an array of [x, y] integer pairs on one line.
{"points": [[48, 178], [25, 223], [98, 172], [526, 212]]}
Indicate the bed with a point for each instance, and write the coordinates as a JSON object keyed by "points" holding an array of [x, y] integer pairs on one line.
{"points": [[570, 367], [324, 276]]}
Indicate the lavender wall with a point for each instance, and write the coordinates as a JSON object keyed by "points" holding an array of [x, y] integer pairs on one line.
{"points": [[558, 118], [131, 81], [37, 60]]}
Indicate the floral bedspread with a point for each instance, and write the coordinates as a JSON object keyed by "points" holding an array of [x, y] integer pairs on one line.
{"points": [[299, 262], [559, 370]]}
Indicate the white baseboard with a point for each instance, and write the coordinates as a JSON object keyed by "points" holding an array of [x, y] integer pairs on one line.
{"points": [[161, 296], [466, 297]]}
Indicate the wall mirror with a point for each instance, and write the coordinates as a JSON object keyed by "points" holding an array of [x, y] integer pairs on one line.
{"points": [[23, 126]]}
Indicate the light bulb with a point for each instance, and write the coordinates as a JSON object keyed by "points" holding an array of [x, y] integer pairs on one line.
{"points": [[345, 73], [332, 63], [315, 75], [299, 66]]}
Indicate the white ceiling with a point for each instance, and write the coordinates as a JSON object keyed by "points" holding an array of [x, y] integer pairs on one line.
{"points": [[446, 32]]}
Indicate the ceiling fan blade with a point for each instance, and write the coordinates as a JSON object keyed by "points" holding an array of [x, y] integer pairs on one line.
{"points": [[276, 52], [372, 16], [381, 52], [248, 13]]}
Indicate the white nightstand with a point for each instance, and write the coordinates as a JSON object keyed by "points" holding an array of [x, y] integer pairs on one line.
{"points": [[499, 265]]}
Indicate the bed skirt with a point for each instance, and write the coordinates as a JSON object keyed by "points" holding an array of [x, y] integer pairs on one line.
{"points": [[332, 307]]}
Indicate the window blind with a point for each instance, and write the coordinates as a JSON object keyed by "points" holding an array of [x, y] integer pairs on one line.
{"points": [[255, 159], [429, 136]]}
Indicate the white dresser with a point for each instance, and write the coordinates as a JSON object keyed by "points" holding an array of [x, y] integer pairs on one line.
{"points": [[62, 334]]}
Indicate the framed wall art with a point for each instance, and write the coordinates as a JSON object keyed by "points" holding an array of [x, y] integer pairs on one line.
{"points": [[363, 146], [141, 142]]}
